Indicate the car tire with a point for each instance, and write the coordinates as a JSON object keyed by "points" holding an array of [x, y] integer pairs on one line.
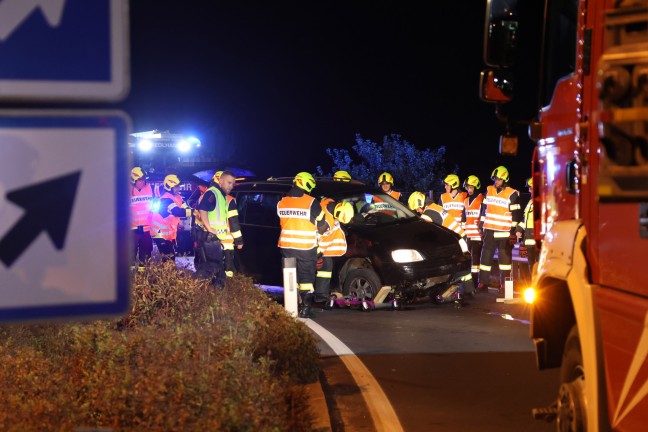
{"points": [[362, 283], [571, 396]]}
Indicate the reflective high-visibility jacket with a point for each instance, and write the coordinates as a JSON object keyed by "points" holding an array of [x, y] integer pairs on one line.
{"points": [[141, 207], [526, 226], [217, 217], [454, 206], [167, 227], [498, 214], [333, 242], [298, 231], [472, 212], [435, 213]]}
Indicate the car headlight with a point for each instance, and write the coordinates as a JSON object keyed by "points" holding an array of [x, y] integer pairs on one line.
{"points": [[463, 245], [406, 255]]}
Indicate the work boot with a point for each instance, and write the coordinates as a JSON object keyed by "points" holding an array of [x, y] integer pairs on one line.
{"points": [[482, 288], [305, 307]]}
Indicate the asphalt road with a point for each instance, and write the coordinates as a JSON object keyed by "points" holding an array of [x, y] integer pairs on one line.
{"points": [[438, 368]]}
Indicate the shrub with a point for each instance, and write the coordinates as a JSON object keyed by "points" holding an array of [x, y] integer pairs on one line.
{"points": [[186, 357]]}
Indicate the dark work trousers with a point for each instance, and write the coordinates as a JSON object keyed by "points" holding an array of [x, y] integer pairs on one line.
{"points": [[475, 248], [306, 266], [230, 267], [199, 236], [532, 257], [212, 267], [166, 249], [323, 279], [504, 257], [143, 245]]}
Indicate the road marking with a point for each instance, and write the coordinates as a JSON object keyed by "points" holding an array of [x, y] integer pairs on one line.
{"points": [[381, 411]]}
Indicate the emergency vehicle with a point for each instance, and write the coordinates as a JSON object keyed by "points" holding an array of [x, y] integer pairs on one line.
{"points": [[585, 64]]}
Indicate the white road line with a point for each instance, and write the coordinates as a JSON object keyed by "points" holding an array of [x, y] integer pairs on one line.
{"points": [[382, 413]]}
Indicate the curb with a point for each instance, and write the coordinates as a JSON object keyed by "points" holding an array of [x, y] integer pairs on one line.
{"points": [[318, 407]]}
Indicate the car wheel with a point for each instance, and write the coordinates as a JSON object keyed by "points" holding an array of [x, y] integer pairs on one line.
{"points": [[362, 283]]}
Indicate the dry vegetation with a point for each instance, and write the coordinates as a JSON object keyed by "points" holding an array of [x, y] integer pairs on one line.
{"points": [[186, 358]]}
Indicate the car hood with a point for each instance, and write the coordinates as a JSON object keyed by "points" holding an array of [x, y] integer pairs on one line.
{"points": [[410, 233]]}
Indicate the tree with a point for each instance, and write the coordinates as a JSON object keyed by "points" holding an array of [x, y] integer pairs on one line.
{"points": [[412, 169]]}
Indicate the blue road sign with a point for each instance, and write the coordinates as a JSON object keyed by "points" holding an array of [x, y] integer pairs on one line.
{"points": [[64, 215], [64, 50]]}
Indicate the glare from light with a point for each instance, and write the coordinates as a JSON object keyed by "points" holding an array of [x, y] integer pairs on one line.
{"points": [[144, 145], [406, 255], [193, 141], [529, 295], [463, 245], [184, 146]]}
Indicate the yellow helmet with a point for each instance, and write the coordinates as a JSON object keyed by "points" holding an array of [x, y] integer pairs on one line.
{"points": [[386, 178], [416, 200], [500, 173], [472, 181], [343, 212], [452, 180], [171, 181], [529, 182], [305, 181], [341, 176], [137, 173], [216, 177]]}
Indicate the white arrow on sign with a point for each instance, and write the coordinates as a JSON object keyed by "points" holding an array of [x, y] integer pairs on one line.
{"points": [[14, 12]]}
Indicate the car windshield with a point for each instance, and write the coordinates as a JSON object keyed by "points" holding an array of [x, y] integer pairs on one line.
{"points": [[375, 208]]}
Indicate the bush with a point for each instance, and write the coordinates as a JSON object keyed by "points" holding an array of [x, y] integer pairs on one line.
{"points": [[186, 357]]}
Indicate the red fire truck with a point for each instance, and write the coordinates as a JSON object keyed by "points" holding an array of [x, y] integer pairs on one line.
{"points": [[584, 65]]}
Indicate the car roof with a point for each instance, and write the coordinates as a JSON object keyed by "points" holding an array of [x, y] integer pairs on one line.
{"points": [[325, 186]]}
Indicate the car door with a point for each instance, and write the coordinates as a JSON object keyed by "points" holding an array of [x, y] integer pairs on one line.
{"points": [[260, 258]]}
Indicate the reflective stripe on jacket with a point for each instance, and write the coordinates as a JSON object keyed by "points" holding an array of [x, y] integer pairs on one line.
{"points": [[498, 216], [233, 227], [141, 207], [472, 216], [297, 230], [333, 242]]}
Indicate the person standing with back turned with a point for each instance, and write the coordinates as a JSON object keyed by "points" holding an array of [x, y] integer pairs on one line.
{"points": [[141, 200], [301, 218]]}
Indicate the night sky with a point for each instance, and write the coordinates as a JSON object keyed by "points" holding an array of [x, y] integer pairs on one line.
{"points": [[271, 85]]}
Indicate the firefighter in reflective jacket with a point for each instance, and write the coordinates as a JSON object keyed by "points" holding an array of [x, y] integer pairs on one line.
{"points": [[332, 243], [453, 199], [301, 218], [141, 200], [233, 237], [436, 214], [524, 232], [386, 183], [170, 208], [212, 209], [500, 215], [470, 220]]}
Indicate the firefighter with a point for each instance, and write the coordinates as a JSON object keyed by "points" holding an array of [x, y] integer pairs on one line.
{"points": [[301, 218], [170, 208], [433, 213], [386, 182], [234, 237], [332, 243], [198, 232], [342, 176], [213, 209], [470, 220], [141, 200], [436, 214], [499, 217], [453, 199], [524, 231]]}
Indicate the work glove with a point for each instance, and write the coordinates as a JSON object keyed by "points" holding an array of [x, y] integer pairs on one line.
{"points": [[524, 252], [512, 239]]}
